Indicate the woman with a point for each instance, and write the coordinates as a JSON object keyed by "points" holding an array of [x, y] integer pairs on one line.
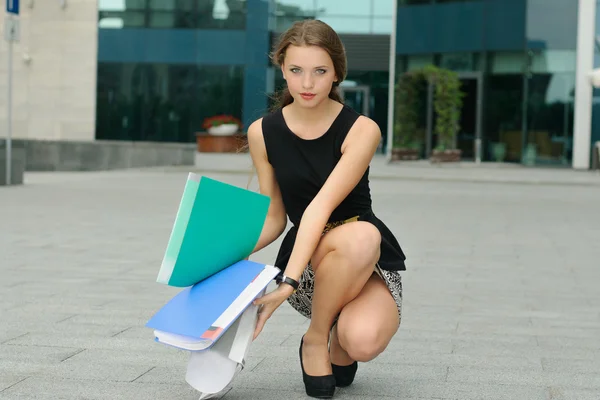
{"points": [[340, 263]]}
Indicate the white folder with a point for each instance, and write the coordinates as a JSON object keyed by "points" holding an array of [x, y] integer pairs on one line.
{"points": [[210, 371]]}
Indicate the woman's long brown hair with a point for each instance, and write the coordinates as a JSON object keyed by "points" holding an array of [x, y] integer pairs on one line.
{"points": [[311, 32], [308, 32]]}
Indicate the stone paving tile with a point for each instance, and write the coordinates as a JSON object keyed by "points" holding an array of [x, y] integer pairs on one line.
{"points": [[500, 299]]}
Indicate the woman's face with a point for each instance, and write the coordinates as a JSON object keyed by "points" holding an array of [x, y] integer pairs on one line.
{"points": [[309, 73]]}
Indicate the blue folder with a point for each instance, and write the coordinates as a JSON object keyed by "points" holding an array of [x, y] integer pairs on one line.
{"points": [[193, 311]]}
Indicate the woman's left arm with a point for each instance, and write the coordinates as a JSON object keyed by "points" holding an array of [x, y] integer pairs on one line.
{"points": [[357, 152]]}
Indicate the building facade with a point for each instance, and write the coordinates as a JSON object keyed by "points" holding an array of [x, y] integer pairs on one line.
{"points": [[516, 60], [54, 71], [166, 65], [153, 70]]}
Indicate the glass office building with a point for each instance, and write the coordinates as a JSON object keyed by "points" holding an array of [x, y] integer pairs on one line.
{"points": [[165, 65], [516, 61]]}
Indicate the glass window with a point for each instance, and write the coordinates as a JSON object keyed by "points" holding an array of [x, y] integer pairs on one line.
{"points": [[115, 14], [552, 61], [112, 5], [453, 1], [382, 25], [362, 17], [295, 8], [286, 12], [349, 24], [552, 24], [507, 63], [221, 14], [127, 19], [459, 61], [161, 102], [550, 105], [503, 117], [162, 5], [344, 8], [382, 8], [412, 2], [169, 14], [418, 61]]}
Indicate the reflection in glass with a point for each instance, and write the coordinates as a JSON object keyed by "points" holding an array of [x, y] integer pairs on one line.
{"points": [[550, 107], [503, 117], [296, 7], [160, 102], [383, 8], [506, 63], [162, 4], [381, 25], [419, 61], [361, 17], [503, 109], [169, 14], [552, 24], [286, 12], [459, 62], [349, 24], [344, 7], [412, 2]]}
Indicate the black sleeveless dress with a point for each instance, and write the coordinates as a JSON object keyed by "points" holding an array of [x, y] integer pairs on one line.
{"points": [[301, 168]]}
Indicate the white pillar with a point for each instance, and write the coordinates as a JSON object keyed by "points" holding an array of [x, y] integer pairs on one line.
{"points": [[582, 131], [392, 83]]}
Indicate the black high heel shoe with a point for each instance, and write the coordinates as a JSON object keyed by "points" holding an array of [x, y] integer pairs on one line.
{"points": [[320, 387], [344, 374]]}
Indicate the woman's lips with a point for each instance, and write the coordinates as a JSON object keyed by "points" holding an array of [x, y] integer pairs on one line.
{"points": [[307, 96]]}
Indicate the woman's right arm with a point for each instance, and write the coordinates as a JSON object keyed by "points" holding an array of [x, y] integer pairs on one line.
{"points": [[276, 220]]}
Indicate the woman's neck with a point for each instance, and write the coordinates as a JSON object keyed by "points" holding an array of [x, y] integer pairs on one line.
{"points": [[320, 112]]}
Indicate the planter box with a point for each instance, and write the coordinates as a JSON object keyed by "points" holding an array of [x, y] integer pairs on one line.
{"points": [[404, 154], [439, 156], [207, 143]]}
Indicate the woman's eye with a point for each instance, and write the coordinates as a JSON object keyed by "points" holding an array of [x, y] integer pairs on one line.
{"points": [[321, 71], [295, 70]]}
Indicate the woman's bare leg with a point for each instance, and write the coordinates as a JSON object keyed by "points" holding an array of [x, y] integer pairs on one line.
{"points": [[343, 263], [366, 324]]}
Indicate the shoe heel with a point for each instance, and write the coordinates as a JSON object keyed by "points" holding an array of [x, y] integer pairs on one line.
{"points": [[344, 375], [319, 387]]}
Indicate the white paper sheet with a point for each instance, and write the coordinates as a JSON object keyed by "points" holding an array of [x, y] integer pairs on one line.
{"points": [[210, 371]]}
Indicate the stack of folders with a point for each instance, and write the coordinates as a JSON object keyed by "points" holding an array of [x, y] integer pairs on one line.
{"points": [[216, 228]]}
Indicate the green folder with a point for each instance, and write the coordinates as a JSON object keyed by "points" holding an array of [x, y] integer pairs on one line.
{"points": [[216, 225]]}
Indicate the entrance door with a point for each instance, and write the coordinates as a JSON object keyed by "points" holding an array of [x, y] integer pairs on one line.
{"points": [[468, 138], [357, 97]]}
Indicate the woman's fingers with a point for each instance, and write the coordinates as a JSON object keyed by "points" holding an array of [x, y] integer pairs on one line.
{"points": [[268, 304], [262, 318], [264, 299], [263, 315]]}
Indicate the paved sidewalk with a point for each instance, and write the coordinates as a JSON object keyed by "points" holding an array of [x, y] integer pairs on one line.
{"points": [[501, 295], [422, 170]]}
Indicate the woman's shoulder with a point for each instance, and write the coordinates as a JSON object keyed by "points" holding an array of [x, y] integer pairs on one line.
{"points": [[358, 122], [263, 132], [361, 131]]}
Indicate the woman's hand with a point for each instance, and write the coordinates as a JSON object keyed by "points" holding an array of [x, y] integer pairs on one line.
{"points": [[269, 303]]}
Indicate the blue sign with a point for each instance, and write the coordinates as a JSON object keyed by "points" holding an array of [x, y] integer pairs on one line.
{"points": [[12, 6]]}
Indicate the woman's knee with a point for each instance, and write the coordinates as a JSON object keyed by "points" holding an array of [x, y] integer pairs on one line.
{"points": [[362, 344], [362, 243]]}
